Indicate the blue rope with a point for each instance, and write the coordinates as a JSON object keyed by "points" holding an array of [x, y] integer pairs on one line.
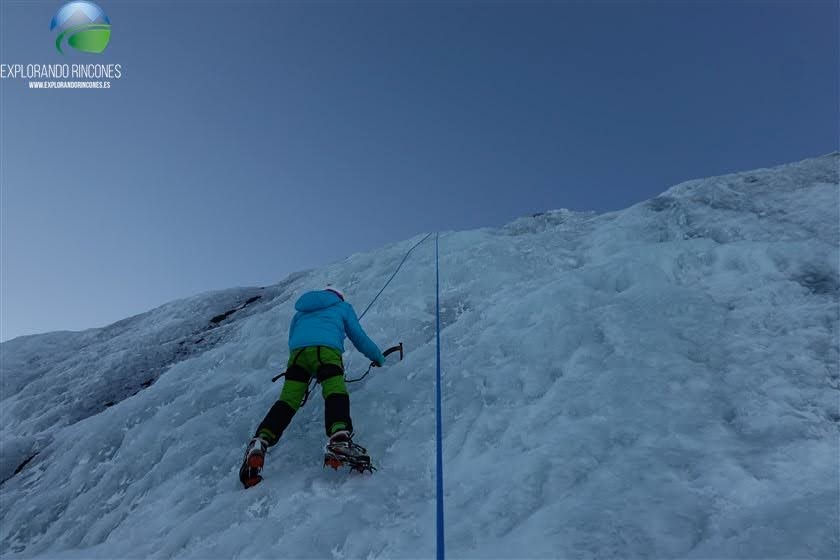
{"points": [[439, 429], [392, 276]]}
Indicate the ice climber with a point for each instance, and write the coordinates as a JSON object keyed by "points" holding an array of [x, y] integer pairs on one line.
{"points": [[316, 343]]}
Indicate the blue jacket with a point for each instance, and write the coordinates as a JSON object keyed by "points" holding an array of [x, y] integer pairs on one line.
{"points": [[323, 319]]}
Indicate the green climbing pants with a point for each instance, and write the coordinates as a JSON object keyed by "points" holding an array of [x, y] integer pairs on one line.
{"points": [[325, 364]]}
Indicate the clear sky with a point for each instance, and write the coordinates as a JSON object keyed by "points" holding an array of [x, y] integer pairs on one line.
{"points": [[248, 140]]}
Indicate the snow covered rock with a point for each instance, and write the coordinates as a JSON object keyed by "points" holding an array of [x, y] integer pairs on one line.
{"points": [[657, 382]]}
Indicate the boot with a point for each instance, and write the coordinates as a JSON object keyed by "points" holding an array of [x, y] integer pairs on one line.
{"points": [[342, 451], [252, 464]]}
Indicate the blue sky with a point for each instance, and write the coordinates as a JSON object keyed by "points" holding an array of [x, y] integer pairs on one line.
{"points": [[248, 140]]}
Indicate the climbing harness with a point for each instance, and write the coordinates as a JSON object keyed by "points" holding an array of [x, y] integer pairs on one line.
{"points": [[314, 380]]}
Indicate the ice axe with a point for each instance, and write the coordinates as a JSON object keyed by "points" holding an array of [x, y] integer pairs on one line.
{"points": [[386, 353]]}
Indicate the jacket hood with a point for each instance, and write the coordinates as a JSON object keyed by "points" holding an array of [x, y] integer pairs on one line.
{"points": [[312, 301]]}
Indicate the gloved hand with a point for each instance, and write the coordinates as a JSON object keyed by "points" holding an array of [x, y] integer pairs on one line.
{"points": [[380, 361]]}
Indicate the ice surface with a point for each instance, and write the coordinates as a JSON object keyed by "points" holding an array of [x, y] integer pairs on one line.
{"points": [[658, 382]]}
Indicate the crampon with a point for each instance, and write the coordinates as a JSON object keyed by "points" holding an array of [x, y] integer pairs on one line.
{"points": [[348, 454]]}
